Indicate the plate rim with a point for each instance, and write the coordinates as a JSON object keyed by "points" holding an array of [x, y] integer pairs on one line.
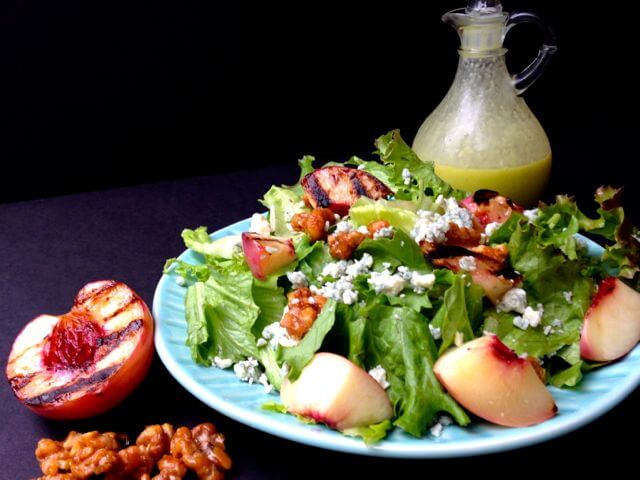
{"points": [[300, 433]]}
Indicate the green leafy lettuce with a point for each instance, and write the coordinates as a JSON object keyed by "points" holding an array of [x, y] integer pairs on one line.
{"points": [[398, 338]]}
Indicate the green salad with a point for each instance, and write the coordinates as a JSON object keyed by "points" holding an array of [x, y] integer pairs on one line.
{"points": [[383, 264]]}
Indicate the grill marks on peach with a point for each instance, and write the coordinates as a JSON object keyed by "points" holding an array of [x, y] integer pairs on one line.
{"points": [[116, 311], [92, 382], [337, 188]]}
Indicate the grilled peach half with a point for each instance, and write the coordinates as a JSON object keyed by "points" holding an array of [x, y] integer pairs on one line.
{"points": [[86, 361], [337, 188]]}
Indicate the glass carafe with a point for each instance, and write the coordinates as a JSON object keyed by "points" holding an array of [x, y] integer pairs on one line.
{"points": [[483, 135]]}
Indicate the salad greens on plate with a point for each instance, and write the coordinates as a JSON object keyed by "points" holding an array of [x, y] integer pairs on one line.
{"points": [[385, 265]]}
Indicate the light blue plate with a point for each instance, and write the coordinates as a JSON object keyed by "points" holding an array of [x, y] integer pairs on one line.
{"points": [[599, 391]]}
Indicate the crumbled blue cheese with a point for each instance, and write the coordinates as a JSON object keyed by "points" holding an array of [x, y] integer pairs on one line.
{"points": [[261, 342], [557, 323], [379, 374], [248, 370], [533, 316], [436, 430], [344, 226], [264, 381], [386, 282], [445, 420], [359, 266], [363, 230], [384, 232], [344, 272], [298, 279], [531, 214], [180, 280], [547, 329], [259, 224], [467, 263], [222, 363], [341, 290], [515, 300], [491, 228], [406, 176], [568, 296], [422, 281], [276, 334], [433, 226], [335, 269], [520, 322], [436, 333]]}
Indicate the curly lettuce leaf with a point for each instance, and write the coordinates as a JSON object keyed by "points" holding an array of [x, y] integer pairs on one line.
{"points": [[398, 338], [548, 278], [186, 270], [395, 152]]}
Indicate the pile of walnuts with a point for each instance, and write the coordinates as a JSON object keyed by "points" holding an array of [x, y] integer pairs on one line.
{"points": [[159, 453]]}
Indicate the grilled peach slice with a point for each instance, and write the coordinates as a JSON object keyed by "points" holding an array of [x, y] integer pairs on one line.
{"points": [[491, 381], [488, 206], [337, 188], [266, 255], [84, 362], [612, 324]]}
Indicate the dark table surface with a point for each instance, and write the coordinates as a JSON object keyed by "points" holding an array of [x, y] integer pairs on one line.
{"points": [[50, 248]]}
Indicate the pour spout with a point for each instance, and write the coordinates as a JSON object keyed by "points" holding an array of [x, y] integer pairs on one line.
{"points": [[484, 7]]}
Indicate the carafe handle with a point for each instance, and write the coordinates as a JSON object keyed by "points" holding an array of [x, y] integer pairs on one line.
{"points": [[524, 79]]}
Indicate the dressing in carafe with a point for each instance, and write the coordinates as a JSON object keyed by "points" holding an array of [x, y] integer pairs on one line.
{"points": [[483, 135]]}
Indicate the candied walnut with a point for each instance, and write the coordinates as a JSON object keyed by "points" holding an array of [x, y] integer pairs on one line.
{"points": [[159, 448], [314, 223], [170, 468], [156, 439], [343, 244], [302, 310], [376, 226], [183, 447], [99, 462], [53, 458], [212, 444]]}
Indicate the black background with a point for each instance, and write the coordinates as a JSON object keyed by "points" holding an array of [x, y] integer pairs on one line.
{"points": [[99, 95]]}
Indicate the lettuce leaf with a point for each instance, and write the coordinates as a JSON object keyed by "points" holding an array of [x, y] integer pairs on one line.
{"points": [[186, 270], [461, 311], [220, 314], [399, 250], [199, 241], [365, 211], [548, 277], [394, 152], [370, 434], [283, 203], [398, 338]]}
